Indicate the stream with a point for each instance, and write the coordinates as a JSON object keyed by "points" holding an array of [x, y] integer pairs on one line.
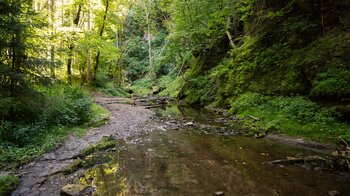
{"points": [[189, 151]]}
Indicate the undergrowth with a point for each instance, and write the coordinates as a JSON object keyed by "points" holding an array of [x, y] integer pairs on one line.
{"points": [[110, 88], [296, 116], [8, 184], [65, 110]]}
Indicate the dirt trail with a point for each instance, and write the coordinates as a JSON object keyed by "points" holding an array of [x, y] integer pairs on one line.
{"points": [[37, 177]]}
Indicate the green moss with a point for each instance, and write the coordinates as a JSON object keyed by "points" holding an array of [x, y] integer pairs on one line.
{"points": [[101, 115], [77, 164], [91, 156], [106, 143], [8, 184]]}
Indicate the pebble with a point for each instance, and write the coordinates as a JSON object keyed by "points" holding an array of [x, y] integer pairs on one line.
{"points": [[190, 124], [219, 193], [333, 193], [317, 169]]}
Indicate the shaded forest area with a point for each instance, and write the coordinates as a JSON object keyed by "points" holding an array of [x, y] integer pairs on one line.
{"points": [[284, 62]]}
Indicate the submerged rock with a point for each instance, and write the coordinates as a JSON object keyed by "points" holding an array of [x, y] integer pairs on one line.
{"points": [[76, 190], [333, 193], [219, 193], [189, 124]]}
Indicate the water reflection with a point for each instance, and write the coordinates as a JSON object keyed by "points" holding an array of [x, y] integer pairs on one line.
{"points": [[107, 180], [191, 162]]}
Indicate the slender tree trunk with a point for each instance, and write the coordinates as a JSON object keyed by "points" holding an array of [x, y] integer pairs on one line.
{"points": [[69, 64], [50, 12], [97, 59], [89, 55], [71, 48], [149, 39], [230, 38], [322, 19], [35, 5], [13, 60]]}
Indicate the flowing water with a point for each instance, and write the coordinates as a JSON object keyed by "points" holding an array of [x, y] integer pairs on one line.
{"points": [[205, 159]]}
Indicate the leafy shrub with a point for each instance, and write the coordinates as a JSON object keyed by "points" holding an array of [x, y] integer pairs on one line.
{"points": [[335, 81], [8, 184], [5, 130], [110, 88], [292, 115], [171, 85], [143, 86], [247, 101], [63, 106], [68, 107]]}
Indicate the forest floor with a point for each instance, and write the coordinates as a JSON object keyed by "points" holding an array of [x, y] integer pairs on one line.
{"points": [[42, 176]]}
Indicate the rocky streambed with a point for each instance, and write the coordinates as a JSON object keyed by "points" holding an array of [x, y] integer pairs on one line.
{"points": [[176, 151]]}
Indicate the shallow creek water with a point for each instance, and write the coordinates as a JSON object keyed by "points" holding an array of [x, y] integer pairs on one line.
{"points": [[195, 160]]}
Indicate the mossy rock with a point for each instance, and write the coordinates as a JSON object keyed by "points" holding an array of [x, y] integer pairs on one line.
{"points": [[76, 190], [105, 143], [77, 164]]}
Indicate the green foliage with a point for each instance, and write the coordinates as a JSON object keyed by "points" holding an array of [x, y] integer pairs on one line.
{"points": [[66, 106], [8, 184], [245, 8], [110, 88], [143, 86], [201, 91], [291, 115], [171, 85], [136, 59], [67, 110], [334, 82]]}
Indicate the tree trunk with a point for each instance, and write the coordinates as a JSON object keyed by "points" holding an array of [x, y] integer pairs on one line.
{"points": [[69, 64], [50, 12], [97, 59], [89, 55], [71, 48], [149, 40], [230, 38]]}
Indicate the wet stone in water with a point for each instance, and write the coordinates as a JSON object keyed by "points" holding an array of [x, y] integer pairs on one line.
{"points": [[76, 190], [219, 193]]}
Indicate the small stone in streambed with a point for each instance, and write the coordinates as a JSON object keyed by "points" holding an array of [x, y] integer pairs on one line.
{"points": [[189, 124], [333, 193], [317, 169], [219, 193], [76, 190]]}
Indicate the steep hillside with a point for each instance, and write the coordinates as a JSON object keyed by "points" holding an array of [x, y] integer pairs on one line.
{"points": [[280, 48]]}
